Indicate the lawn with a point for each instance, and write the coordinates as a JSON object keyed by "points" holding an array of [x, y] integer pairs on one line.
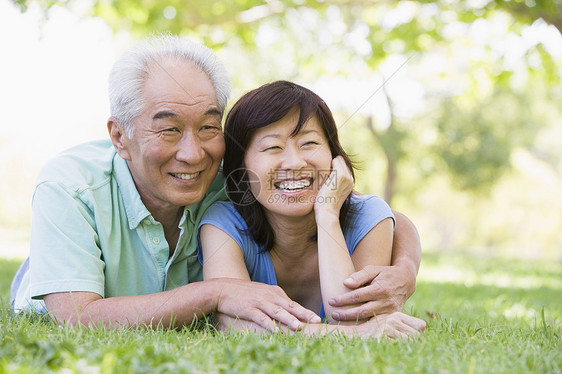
{"points": [[484, 315]]}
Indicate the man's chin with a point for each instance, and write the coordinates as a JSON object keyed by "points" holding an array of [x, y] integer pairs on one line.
{"points": [[190, 198]]}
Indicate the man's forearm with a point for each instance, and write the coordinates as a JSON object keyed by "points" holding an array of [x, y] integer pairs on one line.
{"points": [[406, 249], [169, 309], [253, 301]]}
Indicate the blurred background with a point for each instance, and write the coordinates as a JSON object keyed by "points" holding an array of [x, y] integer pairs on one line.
{"points": [[453, 109]]}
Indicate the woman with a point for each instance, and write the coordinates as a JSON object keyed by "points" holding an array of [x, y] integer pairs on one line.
{"points": [[293, 220]]}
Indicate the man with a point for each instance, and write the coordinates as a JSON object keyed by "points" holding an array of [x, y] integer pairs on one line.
{"points": [[113, 233]]}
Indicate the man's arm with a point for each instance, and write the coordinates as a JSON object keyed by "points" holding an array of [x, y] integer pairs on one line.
{"points": [[384, 289], [256, 302]]}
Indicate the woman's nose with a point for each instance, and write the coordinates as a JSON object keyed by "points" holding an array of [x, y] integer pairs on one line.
{"points": [[293, 159]]}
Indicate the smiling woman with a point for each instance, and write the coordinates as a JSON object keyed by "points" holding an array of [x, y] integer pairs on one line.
{"points": [[303, 229], [301, 162]]}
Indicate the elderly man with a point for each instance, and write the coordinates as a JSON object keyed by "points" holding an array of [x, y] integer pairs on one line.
{"points": [[113, 234]]}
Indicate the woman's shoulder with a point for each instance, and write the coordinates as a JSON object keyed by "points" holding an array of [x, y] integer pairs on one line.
{"points": [[223, 212], [371, 206], [221, 206], [365, 212], [360, 201]]}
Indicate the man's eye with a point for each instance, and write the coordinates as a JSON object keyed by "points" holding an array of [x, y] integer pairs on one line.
{"points": [[171, 130], [210, 128], [208, 132]]}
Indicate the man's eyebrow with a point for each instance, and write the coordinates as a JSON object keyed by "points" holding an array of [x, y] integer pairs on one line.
{"points": [[164, 114], [213, 112]]}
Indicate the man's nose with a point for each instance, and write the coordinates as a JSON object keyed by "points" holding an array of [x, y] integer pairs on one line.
{"points": [[190, 149]]}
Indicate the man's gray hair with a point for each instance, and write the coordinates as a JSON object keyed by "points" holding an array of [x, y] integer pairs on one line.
{"points": [[131, 70]]}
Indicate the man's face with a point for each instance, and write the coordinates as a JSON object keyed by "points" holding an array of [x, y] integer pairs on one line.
{"points": [[177, 142]]}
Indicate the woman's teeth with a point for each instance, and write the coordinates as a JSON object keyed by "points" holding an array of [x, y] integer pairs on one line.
{"points": [[293, 185]]}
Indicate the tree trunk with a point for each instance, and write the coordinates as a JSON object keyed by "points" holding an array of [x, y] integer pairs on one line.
{"points": [[391, 164], [390, 183]]}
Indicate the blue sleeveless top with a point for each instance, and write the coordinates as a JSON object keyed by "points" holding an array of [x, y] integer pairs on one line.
{"points": [[365, 212]]}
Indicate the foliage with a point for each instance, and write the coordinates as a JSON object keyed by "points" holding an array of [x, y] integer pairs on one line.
{"points": [[475, 149], [496, 315], [355, 38], [150, 15], [487, 87]]}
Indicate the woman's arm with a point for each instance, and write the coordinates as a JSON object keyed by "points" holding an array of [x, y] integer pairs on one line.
{"points": [[335, 263], [393, 325], [222, 258], [384, 289]]}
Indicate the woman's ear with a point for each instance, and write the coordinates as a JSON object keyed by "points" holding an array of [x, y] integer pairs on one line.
{"points": [[118, 138]]}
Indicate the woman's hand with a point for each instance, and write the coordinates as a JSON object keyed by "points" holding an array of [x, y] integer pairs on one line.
{"points": [[337, 186], [394, 325]]}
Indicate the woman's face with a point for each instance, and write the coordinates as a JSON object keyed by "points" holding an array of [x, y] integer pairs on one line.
{"points": [[287, 172]]}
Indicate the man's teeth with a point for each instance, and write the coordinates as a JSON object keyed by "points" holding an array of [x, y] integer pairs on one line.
{"points": [[185, 176], [293, 185]]}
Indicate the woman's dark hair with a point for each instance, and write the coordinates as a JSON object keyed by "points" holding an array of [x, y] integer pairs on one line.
{"points": [[260, 108]]}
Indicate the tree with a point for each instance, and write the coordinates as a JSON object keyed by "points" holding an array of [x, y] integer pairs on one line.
{"points": [[356, 38]]}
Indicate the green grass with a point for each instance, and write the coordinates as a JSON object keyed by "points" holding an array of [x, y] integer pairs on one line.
{"points": [[484, 316]]}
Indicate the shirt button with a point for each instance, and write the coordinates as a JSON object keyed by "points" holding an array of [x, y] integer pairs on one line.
{"points": [[156, 240]]}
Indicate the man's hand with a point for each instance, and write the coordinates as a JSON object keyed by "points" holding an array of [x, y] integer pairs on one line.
{"points": [[380, 290], [263, 304]]}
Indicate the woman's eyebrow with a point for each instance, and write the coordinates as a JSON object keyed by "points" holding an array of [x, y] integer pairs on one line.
{"points": [[267, 136], [304, 132]]}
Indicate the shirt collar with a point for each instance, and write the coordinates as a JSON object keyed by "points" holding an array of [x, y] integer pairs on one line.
{"points": [[134, 207]]}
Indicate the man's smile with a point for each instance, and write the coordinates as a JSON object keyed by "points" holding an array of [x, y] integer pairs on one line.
{"points": [[185, 176]]}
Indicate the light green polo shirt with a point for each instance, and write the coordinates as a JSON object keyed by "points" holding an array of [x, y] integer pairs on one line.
{"points": [[91, 232]]}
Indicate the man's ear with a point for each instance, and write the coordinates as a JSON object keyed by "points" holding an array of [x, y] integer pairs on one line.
{"points": [[118, 138]]}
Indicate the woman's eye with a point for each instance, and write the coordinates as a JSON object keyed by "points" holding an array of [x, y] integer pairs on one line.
{"points": [[272, 148], [310, 143]]}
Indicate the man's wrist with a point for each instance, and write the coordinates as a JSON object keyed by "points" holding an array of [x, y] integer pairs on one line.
{"points": [[406, 264], [408, 271], [214, 293]]}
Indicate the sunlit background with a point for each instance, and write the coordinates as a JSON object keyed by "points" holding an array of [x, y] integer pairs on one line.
{"points": [[465, 135]]}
